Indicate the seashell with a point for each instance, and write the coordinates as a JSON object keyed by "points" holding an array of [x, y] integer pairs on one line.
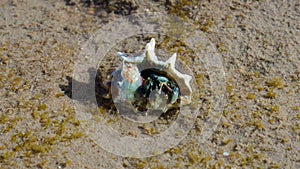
{"points": [[148, 83]]}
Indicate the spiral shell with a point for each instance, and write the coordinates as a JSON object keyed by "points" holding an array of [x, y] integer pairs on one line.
{"points": [[157, 89]]}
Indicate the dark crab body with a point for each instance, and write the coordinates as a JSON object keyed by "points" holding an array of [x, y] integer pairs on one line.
{"points": [[156, 92]]}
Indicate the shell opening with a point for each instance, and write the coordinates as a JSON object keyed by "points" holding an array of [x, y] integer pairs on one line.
{"points": [[158, 91]]}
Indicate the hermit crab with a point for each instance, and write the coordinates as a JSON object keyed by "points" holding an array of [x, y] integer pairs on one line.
{"points": [[146, 83]]}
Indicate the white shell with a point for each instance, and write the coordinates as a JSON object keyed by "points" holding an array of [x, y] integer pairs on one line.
{"points": [[128, 75]]}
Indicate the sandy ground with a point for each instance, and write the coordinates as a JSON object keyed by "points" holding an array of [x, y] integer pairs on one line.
{"points": [[259, 44]]}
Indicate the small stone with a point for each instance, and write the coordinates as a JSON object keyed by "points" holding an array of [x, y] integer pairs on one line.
{"points": [[226, 153]]}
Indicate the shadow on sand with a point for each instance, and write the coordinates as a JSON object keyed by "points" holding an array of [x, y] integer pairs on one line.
{"points": [[101, 89]]}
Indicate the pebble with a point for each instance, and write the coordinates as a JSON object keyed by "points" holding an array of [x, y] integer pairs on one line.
{"points": [[225, 153]]}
